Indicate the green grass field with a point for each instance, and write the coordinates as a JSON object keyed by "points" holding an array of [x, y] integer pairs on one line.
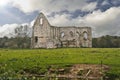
{"points": [[14, 61]]}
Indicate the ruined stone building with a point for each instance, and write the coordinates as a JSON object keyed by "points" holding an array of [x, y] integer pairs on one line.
{"points": [[45, 35]]}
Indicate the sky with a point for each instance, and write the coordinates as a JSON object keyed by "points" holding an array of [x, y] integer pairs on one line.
{"points": [[103, 16]]}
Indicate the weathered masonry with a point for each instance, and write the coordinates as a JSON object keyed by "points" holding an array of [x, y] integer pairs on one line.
{"points": [[46, 36]]}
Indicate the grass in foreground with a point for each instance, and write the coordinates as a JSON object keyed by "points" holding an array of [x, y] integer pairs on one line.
{"points": [[17, 60]]}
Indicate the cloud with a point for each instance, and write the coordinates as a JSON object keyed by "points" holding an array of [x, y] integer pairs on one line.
{"points": [[105, 2], [31, 23], [10, 15], [7, 30], [65, 20], [4, 3], [89, 7], [103, 23], [115, 2], [47, 6], [103, 17]]}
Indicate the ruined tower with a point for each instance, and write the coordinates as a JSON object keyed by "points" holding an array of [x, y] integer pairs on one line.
{"points": [[46, 36]]}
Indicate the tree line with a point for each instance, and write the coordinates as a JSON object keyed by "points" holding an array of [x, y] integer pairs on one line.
{"points": [[25, 42], [21, 38], [106, 42], [16, 42]]}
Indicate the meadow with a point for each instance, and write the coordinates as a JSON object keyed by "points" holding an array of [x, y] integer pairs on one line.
{"points": [[13, 62]]}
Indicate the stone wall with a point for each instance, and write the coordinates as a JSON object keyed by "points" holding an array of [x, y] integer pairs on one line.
{"points": [[47, 36]]}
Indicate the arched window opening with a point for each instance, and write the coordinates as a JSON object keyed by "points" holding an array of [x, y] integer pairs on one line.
{"points": [[71, 34], [62, 34], [41, 21], [85, 35], [78, 34], [36, 39]]}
